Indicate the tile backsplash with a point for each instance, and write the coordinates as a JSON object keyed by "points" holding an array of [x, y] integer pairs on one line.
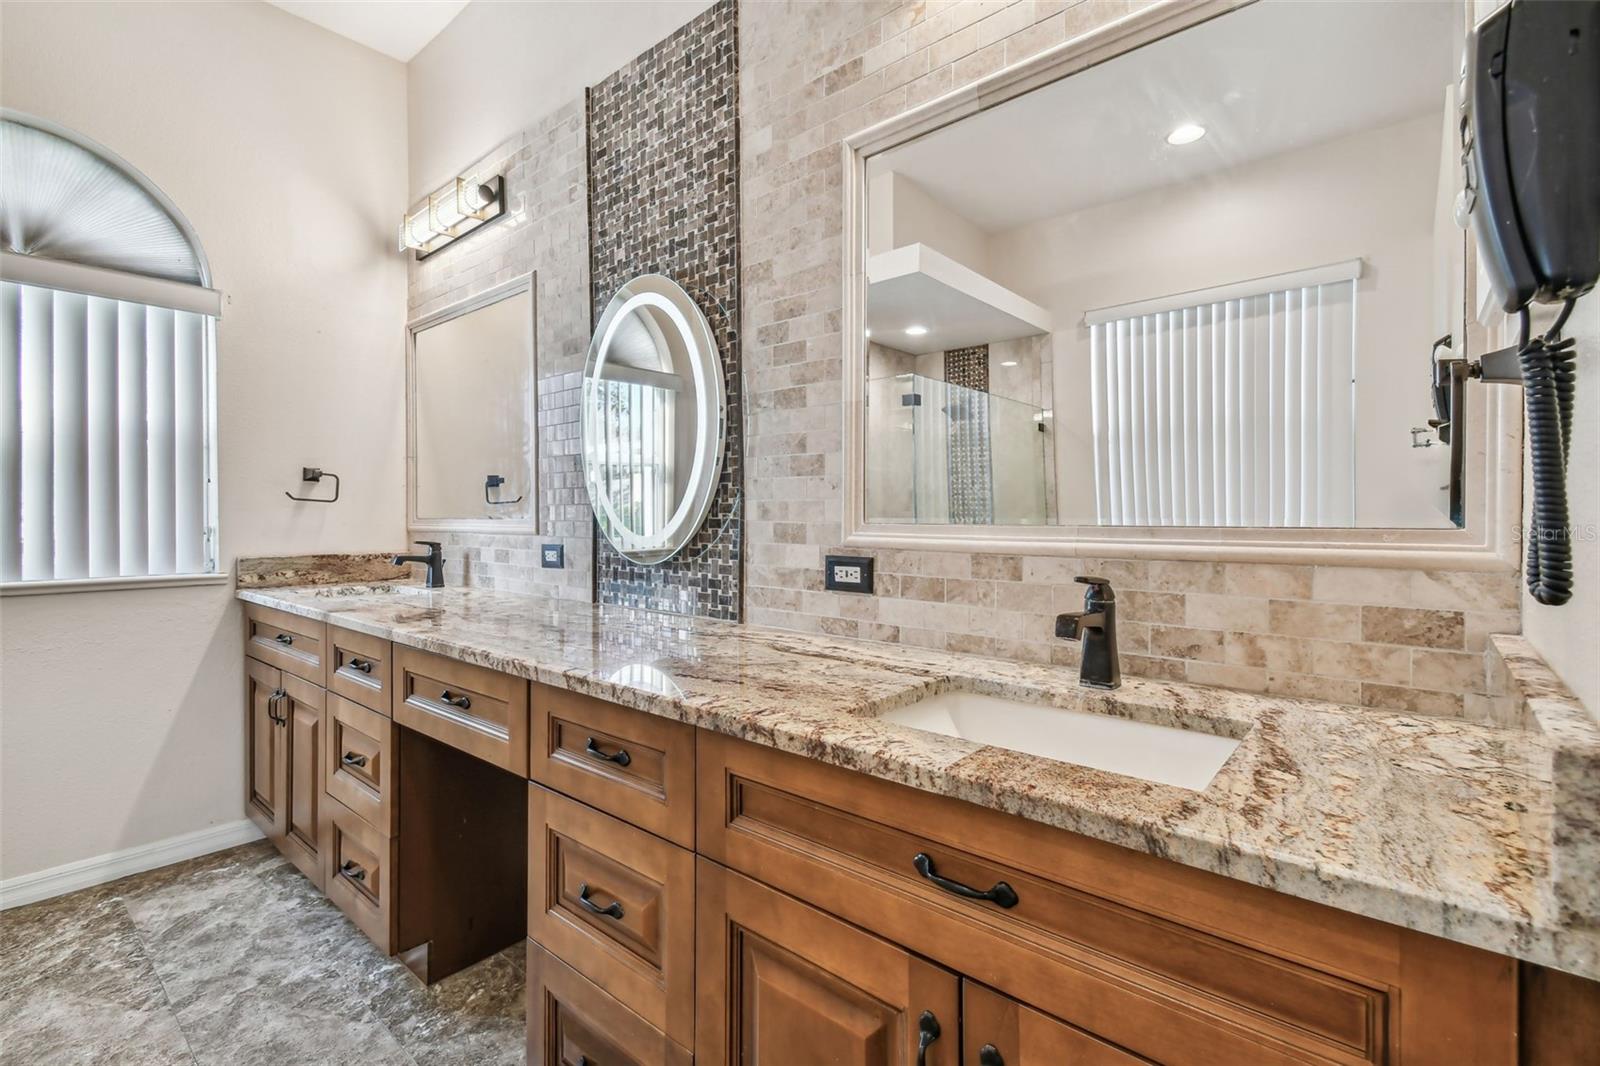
{"points": [[811, 74]]}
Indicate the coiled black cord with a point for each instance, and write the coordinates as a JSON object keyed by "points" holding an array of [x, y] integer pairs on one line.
{"points": [[1549, 382]]}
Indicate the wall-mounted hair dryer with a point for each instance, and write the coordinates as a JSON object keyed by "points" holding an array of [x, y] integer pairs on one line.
{"points": [[1533, 136]]}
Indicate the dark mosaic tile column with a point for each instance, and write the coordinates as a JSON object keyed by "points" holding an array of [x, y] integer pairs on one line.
{"points": [[966, 371], [664, 199]]}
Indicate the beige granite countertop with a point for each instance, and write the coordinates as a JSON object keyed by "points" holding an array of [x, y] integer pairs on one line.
{"points": [[1438, 825]]}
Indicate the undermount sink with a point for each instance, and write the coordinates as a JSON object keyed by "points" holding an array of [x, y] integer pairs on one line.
{"points": [[1182, 757]]}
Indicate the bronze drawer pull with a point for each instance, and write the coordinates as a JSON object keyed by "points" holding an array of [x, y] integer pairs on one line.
{"points": [[614, 910], [1002, 894], [989, 1055], [352, 869], [620, 757], [352, 759], [455, 701], [927, 1032], [284, 639], [364, 665]]}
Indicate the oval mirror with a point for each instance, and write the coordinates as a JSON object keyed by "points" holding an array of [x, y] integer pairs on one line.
{"points": [[654, 419]]}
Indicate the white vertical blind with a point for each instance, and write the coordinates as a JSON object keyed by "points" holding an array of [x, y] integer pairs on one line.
{"points": [[105, 438], [1228, 412]]}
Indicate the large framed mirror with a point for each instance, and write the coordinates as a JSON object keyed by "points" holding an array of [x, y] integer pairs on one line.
{"points": [[1183, 281], [471, 397], [654, 420]]}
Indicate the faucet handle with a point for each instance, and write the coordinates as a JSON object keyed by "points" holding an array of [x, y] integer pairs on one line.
{"points": [[1100, 590], [433, 544], [1086, 579]]}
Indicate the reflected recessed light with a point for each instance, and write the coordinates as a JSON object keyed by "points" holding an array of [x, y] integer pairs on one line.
{"points": [[1187, 133], [1009, 362], [869, 333], [916, 331]]}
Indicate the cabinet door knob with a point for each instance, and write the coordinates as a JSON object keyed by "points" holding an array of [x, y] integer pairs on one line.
{"points": [[620, 756], [353, 870], [284, 639], [352, 759], [455, 701], [1001, 895], [927, 1032], [364, 665], [612, 910], [989, 1055]]}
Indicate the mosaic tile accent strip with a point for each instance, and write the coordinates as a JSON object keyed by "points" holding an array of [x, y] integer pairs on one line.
{"points": [[664, 199], [968, 457], [812, 74], [546, 231]]}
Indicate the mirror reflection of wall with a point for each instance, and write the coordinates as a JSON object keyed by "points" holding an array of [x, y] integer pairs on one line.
{"points": [[1198, 284], [473, 408]]}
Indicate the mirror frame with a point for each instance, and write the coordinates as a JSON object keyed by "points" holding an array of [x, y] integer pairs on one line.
{"points": [[1493, 463], [503, 291]]}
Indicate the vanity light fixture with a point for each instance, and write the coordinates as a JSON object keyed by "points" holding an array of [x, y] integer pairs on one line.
{"points": [[916, 331], [451, 213], [1187, 133]]}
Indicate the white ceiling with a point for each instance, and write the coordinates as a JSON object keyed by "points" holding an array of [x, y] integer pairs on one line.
{"points": [[1275, 76], [917, 285], [397, 28]]}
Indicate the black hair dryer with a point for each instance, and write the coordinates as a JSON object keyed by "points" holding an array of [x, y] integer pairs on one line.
{"points": [[1532, 129]]}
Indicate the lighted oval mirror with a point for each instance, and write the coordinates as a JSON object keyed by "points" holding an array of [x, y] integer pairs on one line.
{"points": [[654, 419]]}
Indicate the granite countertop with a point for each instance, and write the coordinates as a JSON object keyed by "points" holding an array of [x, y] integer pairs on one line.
{"points": [[1435, 824]]}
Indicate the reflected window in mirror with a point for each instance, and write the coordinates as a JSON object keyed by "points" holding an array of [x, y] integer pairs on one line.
{"points": [[473, 391], [1199, 284]]}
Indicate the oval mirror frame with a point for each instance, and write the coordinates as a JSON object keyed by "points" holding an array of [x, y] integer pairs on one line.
{"points": [[674, 323]]}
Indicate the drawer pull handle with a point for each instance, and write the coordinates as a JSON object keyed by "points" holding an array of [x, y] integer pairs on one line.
{"points": [[284, 639], [352, 759], [352, 869], [612, 910], [364, 665], [1002, 894], [455, 701], [927, 1033], [620, 756], [989, 1055]]}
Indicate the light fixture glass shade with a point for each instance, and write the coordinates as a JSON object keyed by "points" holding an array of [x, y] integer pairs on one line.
{"points": [[415, 231]]}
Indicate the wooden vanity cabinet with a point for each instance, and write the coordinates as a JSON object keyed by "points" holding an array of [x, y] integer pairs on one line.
{"points": [[284, 779]]}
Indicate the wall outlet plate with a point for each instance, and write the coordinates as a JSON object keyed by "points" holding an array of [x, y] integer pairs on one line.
{"points": [[552, 556], [847, 573]]}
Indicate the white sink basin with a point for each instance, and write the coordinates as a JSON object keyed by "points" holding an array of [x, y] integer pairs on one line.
{"points": [[1181, 757]]}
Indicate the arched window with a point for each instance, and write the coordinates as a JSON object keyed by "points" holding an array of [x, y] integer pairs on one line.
{"points": [[107, 370]]}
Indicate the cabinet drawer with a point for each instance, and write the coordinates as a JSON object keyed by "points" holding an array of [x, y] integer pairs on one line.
{"points": [[359, 873], [1153, 985], [616, 904], [634, 765], [291, 643], [360, 763], [999, 1031], [471, 708], [571, 1021], [358, 668]]}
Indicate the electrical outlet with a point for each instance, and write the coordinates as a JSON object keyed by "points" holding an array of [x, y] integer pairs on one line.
{"points": [[847, 573], [552, 556]]}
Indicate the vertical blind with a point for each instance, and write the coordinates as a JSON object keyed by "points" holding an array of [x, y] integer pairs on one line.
{"points": [[1231, 411], [104, 437]]}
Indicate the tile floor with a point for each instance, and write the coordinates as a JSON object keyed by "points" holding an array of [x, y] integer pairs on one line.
{"points": [[234, 958]]}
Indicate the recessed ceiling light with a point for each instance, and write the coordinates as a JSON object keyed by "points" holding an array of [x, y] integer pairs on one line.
{"points": [[916, 331], [1187, 133], [1009, 362]]}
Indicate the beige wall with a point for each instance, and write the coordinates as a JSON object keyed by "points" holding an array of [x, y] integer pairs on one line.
{"points": [[814, 73], [285, 147], [499, 68]]}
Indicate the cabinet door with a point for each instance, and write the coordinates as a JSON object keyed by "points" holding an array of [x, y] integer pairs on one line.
{"points": [[999, 1031], [265, 748], [778, 982], [300, 713]]}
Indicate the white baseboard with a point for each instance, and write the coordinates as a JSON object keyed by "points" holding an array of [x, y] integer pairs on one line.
{"points": [[85, 873]]}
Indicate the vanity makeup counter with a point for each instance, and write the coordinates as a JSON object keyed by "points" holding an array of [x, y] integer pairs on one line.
{"points": [[1436, 825]]}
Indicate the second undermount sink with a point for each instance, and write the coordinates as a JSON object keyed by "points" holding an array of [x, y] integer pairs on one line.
{"points": [[1183, 757]]}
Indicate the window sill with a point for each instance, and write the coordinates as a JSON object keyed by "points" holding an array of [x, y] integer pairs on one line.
{"points": [[110, 584]]}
